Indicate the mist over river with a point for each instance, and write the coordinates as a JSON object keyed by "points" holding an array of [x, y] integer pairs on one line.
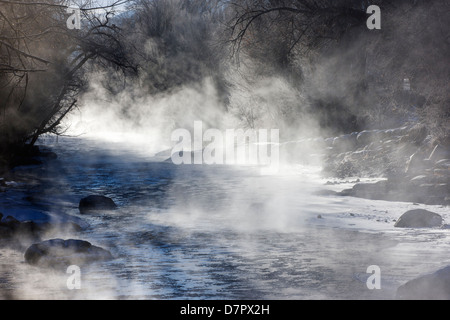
{"points": [[215, 232]]}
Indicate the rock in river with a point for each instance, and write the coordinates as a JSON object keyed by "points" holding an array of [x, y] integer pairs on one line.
{"points": [[419, 218], [96, 202], [10, 227], [59, 252], [435, 286]]}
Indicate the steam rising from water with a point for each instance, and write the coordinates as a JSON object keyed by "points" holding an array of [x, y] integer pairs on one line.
{"points": [[143, 122], [140, 120], [241, 233], [219, 232]]}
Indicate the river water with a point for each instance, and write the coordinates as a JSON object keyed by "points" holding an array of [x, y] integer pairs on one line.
{"points": [[218, 232]]}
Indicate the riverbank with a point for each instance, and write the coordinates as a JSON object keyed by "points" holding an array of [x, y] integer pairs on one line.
{"points": [[416, 166], [26, 214]]}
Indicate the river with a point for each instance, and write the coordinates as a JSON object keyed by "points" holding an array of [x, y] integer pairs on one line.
{"points": [[218, 232]]}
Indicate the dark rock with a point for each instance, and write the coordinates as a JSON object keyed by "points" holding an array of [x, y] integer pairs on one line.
{"points": [[11, 222], [95, 202], [11, 219], [419, 218], [435, 286], [59, 252], [397, 189], [10, 227], [28, 227]]}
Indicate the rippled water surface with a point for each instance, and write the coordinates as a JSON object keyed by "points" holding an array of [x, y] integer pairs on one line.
{"points": [[219, 232]]}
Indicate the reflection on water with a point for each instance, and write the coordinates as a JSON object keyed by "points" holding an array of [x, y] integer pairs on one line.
{"points": [[205, 232]]}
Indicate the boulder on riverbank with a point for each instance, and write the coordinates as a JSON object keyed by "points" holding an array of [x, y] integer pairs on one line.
{"points": [[59, 252], [419, 218], [96, 202], [435, 286]]}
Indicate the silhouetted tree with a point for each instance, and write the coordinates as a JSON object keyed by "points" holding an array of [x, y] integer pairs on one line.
{"points": [[41, 63]]}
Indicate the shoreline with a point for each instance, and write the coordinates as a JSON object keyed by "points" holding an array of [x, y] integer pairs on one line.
{"points": [[20, 203]]}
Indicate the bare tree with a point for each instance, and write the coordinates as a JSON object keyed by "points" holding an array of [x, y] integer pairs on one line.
{"points": [[307, 22], [345, 69], [41, 60]]}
